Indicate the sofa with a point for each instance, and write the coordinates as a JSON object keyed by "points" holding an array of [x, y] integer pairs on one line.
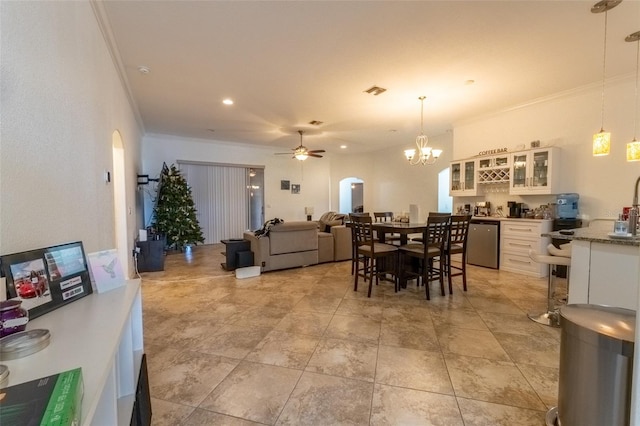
{"points": [[297, 243]]}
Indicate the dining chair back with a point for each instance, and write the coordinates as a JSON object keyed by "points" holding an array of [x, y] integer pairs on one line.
{"points": [[373, 259], [457, 244], [386, 217], [432, 249], [354, 243], [431, 214]]}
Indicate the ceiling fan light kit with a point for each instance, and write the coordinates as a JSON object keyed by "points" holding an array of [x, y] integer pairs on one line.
{"points": [[301, 152]]}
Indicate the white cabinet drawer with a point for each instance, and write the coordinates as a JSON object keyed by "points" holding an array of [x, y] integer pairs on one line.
{"points": [[519, 263], [520, 246], [512, 229]]}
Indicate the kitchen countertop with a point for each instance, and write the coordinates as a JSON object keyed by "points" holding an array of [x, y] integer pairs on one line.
{"points": [[593, 235], [515, 219]]}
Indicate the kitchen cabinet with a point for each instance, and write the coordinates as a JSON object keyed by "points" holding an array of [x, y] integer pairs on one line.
{"points": [[517, 237], [462, 175], [534, 172], [494, 169]]}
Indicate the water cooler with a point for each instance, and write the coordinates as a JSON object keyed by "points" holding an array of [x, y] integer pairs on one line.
{"points": [[566, 218]]}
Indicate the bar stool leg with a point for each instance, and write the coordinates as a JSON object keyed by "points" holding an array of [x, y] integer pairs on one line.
{"points": [[551, 317]]}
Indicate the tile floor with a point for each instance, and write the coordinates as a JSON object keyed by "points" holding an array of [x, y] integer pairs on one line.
{"points": [[300, 347]]}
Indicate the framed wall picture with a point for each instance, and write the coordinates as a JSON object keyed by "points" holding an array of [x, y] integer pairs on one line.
{"points": [[295, 188], [47, 278], [284, 185]]}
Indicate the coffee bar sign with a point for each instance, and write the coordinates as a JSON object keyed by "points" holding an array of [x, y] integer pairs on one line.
{"points": [[492, 151]]}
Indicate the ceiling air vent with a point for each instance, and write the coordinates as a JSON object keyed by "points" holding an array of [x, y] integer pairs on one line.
{"points": [[375, 90]]}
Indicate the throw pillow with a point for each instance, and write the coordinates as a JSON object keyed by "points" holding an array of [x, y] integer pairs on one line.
{"points": [[332, 223]]}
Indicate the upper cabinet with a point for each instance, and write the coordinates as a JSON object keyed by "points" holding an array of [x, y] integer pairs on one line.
{"points": [[534, 172], [529, 172], [463, 178], [494, 169]]}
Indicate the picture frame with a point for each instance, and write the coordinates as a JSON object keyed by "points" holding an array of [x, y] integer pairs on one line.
{"points": [[284, 185], [105, 270], [47, 278], [295, 188]]}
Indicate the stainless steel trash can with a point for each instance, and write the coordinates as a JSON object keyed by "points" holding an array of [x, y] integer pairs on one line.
{"points": [[596, 362]]}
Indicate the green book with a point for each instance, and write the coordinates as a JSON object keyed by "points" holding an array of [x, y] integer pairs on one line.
{"points": [[48, 401]]}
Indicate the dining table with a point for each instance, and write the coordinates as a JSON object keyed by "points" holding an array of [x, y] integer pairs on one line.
{"points": [[402, 228], [405, 229]]}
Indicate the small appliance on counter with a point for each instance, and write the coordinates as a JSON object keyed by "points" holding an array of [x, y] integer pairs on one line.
{"points": [[567, 206], [515, 209], [482, 208]]}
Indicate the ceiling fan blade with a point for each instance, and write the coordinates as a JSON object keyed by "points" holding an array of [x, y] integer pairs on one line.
{"points": [[311, 154], [281, 153], [317, 150]]}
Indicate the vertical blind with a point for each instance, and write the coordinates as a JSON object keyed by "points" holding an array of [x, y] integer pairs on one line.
{"points": [[220, 197]]}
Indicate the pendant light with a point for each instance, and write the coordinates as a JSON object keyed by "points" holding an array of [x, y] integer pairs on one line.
{"points": [[602, 139], [633, 147], [426, 155]]}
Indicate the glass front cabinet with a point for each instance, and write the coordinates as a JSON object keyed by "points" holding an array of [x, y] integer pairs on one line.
{"points": [[532, 172], [463, 178]]}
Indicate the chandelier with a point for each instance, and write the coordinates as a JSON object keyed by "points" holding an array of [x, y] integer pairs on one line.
{"points": [[425, 155]]}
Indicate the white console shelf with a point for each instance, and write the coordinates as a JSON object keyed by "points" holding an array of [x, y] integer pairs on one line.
{"points": [[102, 334]]}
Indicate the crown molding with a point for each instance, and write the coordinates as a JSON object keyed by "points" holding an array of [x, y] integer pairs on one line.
{"points": [[112, 47]]}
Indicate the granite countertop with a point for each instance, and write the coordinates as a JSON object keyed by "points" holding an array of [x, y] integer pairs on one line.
{"points": [[514, 219], [593, 235]]}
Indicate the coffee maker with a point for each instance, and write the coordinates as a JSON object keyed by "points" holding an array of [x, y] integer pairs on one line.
{"points": [[515, 209], [482, 208]]}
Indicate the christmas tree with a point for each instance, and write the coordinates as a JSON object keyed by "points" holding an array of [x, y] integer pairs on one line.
{"points": [[174, 214]]}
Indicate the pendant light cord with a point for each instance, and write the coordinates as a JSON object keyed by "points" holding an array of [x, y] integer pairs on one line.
{"points": [[422, 115], [635, 125], [604, 69]]}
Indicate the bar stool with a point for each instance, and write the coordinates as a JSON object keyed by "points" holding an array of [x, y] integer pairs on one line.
{"points": [[552, 316]]}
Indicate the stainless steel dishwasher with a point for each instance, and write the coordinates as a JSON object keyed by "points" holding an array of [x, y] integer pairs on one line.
{"points": [[483, 243]]}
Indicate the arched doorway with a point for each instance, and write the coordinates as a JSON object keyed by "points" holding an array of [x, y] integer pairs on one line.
{"points": [[120, 201], [351, 195]]}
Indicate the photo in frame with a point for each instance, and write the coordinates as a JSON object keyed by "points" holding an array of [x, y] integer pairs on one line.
{"points": [[47, 278], [105, 270], [295, 188], [284, 185]]}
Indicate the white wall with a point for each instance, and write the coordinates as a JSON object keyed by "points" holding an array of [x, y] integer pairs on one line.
{"points": [[605, 184], [396, 184], [390, 184], [312, 174], [61, 102]]}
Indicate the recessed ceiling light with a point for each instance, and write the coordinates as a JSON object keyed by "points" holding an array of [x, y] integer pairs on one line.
{"points": [[144, 70], [343, 146], [228, 101]]}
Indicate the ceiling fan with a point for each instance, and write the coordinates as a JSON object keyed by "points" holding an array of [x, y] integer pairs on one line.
{"points": [[301, 152]]}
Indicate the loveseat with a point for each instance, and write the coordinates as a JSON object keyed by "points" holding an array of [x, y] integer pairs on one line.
{"points": [[293, 244]]}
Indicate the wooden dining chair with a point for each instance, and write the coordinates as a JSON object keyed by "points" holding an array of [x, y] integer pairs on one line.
{"points": [[431, 214], [370, 253], [386, 217], [432, 249], [354, 240], [457, 244]]}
